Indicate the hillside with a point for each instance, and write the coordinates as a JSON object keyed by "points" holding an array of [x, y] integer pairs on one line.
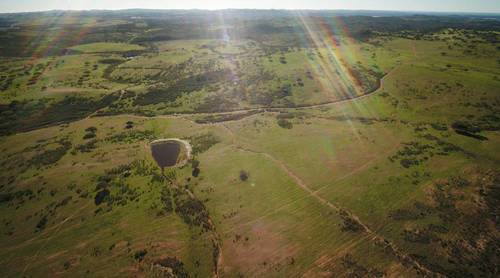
{"points": [[320, 144]]}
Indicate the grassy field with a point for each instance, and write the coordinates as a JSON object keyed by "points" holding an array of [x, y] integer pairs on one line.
{"points": [[313, 154]]}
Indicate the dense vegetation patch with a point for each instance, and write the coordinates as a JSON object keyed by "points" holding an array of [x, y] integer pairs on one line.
{"points": [[217, 118], [16, 195], [25, 116], [471, 128], [175, 265], [86, 147], [415, 153], [166, 93], [466, 207], [191, 210], [203, 142], [131, 136], [51, 156], [349, 223], [113, 189], [355, 269]]}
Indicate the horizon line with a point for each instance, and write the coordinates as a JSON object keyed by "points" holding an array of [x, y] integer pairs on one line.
{"points": [[253, 9]]}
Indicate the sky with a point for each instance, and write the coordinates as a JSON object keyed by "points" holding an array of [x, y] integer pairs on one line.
{"points": [[492, 6]]}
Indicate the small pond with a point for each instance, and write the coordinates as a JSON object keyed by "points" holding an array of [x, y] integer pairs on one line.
{"points": [[170, 152]]}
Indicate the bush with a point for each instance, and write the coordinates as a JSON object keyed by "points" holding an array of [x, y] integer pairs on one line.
{"points": [[195, 163], [174, 264], [91, 129], [407, 163], [349, 223], [195, 172], [202, 143], [192, 211], [51, 156], [67, 265], [111, 61], [101, 196], [439, 126], [243, 175], [225, 117], [41, 224], [90, 132], [88, 135], [468, 129], [140, 254], [131, 136], [129, 125], [19, 195], [284, 123], [166, 199], [87, 147], [471, 135]]}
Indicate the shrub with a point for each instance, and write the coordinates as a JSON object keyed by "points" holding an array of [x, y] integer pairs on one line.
{"points": [[407, 163], [87, 147], [439, 126], [174, 264], [89, 135], [67, 265], [472, 135], [90, 132], [192, 211], [140, 254], [166, 199], [284, 123], [468, 129], [111, 61], [41, 224], [225, 117], [243, 175], [131, 136], [91, 129], [202, 143], [195, 172], [51, 156], [349, 223], [101, 196], [96, 251], [195, 163], [19, 195]]}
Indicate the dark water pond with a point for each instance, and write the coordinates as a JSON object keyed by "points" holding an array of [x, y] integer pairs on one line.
{"points": [[166, 152]]}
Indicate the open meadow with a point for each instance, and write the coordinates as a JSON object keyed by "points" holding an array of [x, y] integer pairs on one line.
{"points": [[320, 145]]}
